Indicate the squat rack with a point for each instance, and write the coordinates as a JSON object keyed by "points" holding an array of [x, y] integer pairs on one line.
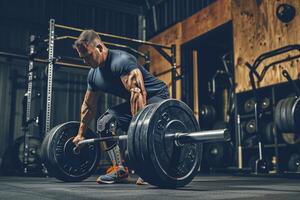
{"points": [[162, 49]]}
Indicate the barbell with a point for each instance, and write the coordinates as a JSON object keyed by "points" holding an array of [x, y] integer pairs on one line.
{"points": [[164, 146]]}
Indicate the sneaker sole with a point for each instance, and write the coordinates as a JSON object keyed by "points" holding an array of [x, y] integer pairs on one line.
{"points": [[105, 182], [120, 180]]}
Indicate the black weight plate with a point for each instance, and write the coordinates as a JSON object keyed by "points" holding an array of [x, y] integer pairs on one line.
{"points": [[285, 115], [294, 163], [296, 115], [289, 120], [288, 115], [214, 154], [173, 166], [131, 141], [268, 133], [291, 138], [44, 154], [217, 154], [249, 105], [145, 156], [251, 126], [207, 113], [265, 103], [68, 166], [140, 168], [34, 147], [212, 113], [278, 114]]}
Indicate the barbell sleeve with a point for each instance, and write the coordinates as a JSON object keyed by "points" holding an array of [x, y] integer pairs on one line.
{"points": [[202, 136]]}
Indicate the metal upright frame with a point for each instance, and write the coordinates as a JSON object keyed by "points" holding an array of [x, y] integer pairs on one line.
{"points": [[50, 74]]}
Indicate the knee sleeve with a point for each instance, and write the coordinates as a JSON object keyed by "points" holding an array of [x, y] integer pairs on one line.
{"points": [[107, 127]]}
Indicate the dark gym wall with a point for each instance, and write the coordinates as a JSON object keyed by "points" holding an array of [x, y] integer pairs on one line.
{"points": [[20, 19], [169, 12]]}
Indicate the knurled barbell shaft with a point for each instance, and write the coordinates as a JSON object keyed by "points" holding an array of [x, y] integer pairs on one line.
{"points": [[180, 138], [88, 141]]}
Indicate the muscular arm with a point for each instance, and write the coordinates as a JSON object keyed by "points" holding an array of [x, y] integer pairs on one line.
{"points": [[88, 110], [134, 83]]}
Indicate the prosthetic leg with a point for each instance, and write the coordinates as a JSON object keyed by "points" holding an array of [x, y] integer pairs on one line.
{"points": [[106, 127]]}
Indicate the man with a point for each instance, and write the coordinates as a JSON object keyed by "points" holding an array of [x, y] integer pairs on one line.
{"points": [[116, 72]]}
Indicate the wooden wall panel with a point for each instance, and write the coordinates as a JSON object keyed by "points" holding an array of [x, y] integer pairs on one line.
{"points": [[206, 20], [201, 22], [257, 30]]}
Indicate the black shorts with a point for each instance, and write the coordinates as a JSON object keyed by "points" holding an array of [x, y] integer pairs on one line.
{"points": [[122, 112]]}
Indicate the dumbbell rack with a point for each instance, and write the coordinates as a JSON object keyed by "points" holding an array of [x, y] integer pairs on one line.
{"points": [[274, 94], [278, 148]]}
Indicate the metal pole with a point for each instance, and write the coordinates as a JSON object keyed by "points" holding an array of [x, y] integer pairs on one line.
{"points": [[173, 74], [239, 143], [50, 74]]}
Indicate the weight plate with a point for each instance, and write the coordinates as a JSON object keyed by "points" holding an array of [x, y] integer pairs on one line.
{"points": [[249, 105], [296, 115], [288, 123], [291, 138], [66, 165], [44, 154], [34, 147], [131, 140], [207, 113], [269, 133], [217, 154], [251, 126], [294, 163], [140, 167], [278, 119], [173, 166], [265, 103]]}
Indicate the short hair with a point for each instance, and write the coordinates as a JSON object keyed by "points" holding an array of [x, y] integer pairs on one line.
{"points": [[86, 37]]}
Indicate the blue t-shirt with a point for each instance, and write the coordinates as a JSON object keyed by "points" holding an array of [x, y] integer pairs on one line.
{"points": [[119, 63]]}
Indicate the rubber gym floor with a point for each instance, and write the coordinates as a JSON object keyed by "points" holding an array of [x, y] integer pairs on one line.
{"points": [[202, 187]]}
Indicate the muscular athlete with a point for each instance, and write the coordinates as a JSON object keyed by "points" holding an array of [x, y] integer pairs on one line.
{"points": [[116, 72]]}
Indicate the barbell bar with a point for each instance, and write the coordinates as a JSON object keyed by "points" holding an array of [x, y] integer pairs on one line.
{"points": [[179, 138]]}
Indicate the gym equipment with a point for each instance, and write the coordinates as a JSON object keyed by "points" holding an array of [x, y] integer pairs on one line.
{"points": [[164, 144]]}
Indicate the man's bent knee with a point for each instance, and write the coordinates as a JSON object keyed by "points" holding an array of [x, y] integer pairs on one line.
{"points": [[107, 127]]}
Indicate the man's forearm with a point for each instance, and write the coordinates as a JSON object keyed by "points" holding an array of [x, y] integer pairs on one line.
{"points": [[87, 115], [137, 101]]}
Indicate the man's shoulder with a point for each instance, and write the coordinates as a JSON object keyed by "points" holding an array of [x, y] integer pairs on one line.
{"points": [[121, 61], [120, 55]]}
